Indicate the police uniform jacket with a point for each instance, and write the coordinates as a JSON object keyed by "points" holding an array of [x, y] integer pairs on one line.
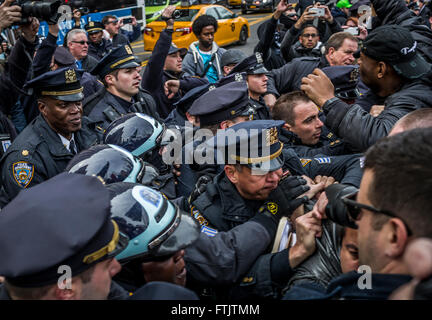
{"points": [[288, 78], [98, 51], [102, 108], [154, 76], [328, 144], [261, 109], [221, 209], [38, 154], [119, 40], [88, 63]]}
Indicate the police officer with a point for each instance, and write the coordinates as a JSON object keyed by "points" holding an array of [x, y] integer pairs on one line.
{"points": [[47, 144], [81, 240], [98, 46], [45, 229], [251, 186], [257, 82], [119, 71], [219, 108]]}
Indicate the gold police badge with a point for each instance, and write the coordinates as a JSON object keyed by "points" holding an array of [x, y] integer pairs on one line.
{"points": [[128, 49], [271, 136], [70, 76]]}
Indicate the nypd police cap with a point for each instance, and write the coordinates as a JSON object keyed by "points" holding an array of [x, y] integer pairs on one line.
{"points": [[223, 103], [118, 58], [61, 84], [65, 220]]}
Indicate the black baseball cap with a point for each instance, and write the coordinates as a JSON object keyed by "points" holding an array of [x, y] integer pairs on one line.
{"points": [[394, 45]]}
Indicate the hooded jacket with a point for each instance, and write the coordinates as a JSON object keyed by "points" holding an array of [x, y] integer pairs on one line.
{"points": [[193, 64]]}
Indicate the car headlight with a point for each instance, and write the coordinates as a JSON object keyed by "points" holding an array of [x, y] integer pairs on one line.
{"points": [[157, 13], [265, 1]]}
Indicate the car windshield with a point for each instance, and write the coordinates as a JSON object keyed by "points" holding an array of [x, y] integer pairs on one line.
{"points": [[154, 3], [185, 15]]}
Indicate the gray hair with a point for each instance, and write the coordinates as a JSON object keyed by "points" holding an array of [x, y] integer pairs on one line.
{"points": [[71, 34]]}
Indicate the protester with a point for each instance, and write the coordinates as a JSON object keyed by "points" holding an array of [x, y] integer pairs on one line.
{"points": [[203, 57]]}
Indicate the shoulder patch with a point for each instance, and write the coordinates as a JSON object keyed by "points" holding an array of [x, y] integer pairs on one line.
{"points": [[23, 173], [304, 162], [208, 231], [323, 160]]}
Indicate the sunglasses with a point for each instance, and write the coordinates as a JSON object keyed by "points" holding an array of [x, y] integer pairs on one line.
{"points": [[81, 42], [308, 35], [354, 209]]}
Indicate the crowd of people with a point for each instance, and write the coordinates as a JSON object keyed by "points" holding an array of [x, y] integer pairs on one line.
{"points": [[294, 173]]}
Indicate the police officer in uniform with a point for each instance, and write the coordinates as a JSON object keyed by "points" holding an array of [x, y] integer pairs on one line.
{"points": [[257, 82], [219, 108], [251, 185], [77, 232], [98, 46], [47, 144], [81, 241], [122, 94]]}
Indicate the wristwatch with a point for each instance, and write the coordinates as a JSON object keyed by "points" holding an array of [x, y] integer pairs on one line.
{"points": [[329, 101]]}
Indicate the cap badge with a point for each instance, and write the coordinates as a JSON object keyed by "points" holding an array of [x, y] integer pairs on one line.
{"points": [[238, 77], [354, 75], [70, 76], [271, 136], [259, 57], [212, 87], [128, 49], [91, 24], [407, 50]]}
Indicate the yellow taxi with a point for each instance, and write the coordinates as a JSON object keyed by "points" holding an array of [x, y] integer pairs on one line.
{"points": [[231, 28], [234, 3]]}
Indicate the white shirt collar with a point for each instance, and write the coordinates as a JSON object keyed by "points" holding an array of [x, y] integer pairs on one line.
{"points": [[66, 142]]}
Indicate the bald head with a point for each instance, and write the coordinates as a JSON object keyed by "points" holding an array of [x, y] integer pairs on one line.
{"points": [[421, 118]]}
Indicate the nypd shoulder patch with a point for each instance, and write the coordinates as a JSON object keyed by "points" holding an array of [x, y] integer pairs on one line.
{"points": [[323, 160], [23, 173]]}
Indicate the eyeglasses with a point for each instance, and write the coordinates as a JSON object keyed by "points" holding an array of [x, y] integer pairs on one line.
{"points": [[113, 22], [354, 209], [81, 42], [308, 35]]}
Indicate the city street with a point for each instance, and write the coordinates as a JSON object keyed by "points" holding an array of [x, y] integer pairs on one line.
{"points": [[255, 19]]}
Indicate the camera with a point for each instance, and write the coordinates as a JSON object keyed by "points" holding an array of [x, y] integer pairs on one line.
{"points": [[353, 30], [336, 210], [127, 20], [177, 14], [42, 10], [317, 12]]}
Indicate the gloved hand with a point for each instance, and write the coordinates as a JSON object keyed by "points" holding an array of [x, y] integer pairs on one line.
{"points": [[200, 187], [283, 200]]}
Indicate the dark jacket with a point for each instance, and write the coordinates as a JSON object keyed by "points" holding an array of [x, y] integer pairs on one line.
{"points": [[288, 78], [328, 144], [291, 48], [263, 112], [39, 148], [98, 51], [396, 12], [88, 63], [345, 287], [15, 75], [361, 130], [119, 40], [269, 44], [154, 76], [221, 208], [102, 108], [132, 35]]}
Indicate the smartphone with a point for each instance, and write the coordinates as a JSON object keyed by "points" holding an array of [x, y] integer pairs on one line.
{"points": [[317, 12], [353, 30], [127, 20]]}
